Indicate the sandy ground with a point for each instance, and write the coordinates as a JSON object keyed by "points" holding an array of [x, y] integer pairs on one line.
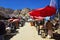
{"points": [[28, 33]]}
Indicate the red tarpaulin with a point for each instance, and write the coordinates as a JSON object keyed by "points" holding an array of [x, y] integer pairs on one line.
{"points": [[48, 11], [34, 13], [43, 12], [10, 20], [37, 17], [15, 20]]}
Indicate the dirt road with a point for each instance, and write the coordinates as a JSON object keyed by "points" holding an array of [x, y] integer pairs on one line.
{"points": [[28, 33]]}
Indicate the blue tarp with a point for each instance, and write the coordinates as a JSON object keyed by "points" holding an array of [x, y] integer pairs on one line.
{"points": [[55, 3], [58, 3], [52, 17], [57, 7], [47, 18]]}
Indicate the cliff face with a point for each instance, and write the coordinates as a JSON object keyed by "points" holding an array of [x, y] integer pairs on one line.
{"points": [[10, 12], [21, 13], [4, 12], [25, 11]]}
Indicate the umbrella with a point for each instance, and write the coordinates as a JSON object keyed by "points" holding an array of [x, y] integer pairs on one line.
{"points": [[10, 20], [43, 12], [38, 18], [34, 13], [49, 11], [15, 20]]}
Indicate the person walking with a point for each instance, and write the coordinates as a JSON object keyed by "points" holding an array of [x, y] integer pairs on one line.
{"points": [[49, 26], [39, 24]]}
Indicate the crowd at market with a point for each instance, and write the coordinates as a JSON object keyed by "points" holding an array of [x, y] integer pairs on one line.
{"points": [[44, 27]]}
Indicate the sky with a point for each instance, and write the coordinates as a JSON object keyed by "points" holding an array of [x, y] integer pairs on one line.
{"points": [[20, 4]]}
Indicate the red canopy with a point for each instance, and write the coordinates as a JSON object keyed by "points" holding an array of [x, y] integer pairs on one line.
{"points": [[34, 13], [37, 17], [43, 12], [15, 20], [48, 11], [10, 20]]}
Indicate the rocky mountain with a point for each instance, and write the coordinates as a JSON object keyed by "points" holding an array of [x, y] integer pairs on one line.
{"points": [[4, 12], [11, 12], [2, 8], [25, 11]]}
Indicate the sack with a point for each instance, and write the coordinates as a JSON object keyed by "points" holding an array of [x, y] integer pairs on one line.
{"points": [[8, 29]]}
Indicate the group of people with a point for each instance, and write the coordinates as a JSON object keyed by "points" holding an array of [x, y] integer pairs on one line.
{"points": [[10, 26], [39, 24], [48, 27], [6, 26]]}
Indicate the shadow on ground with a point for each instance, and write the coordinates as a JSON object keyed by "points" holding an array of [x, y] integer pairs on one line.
{"points": [[8, 37]]}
